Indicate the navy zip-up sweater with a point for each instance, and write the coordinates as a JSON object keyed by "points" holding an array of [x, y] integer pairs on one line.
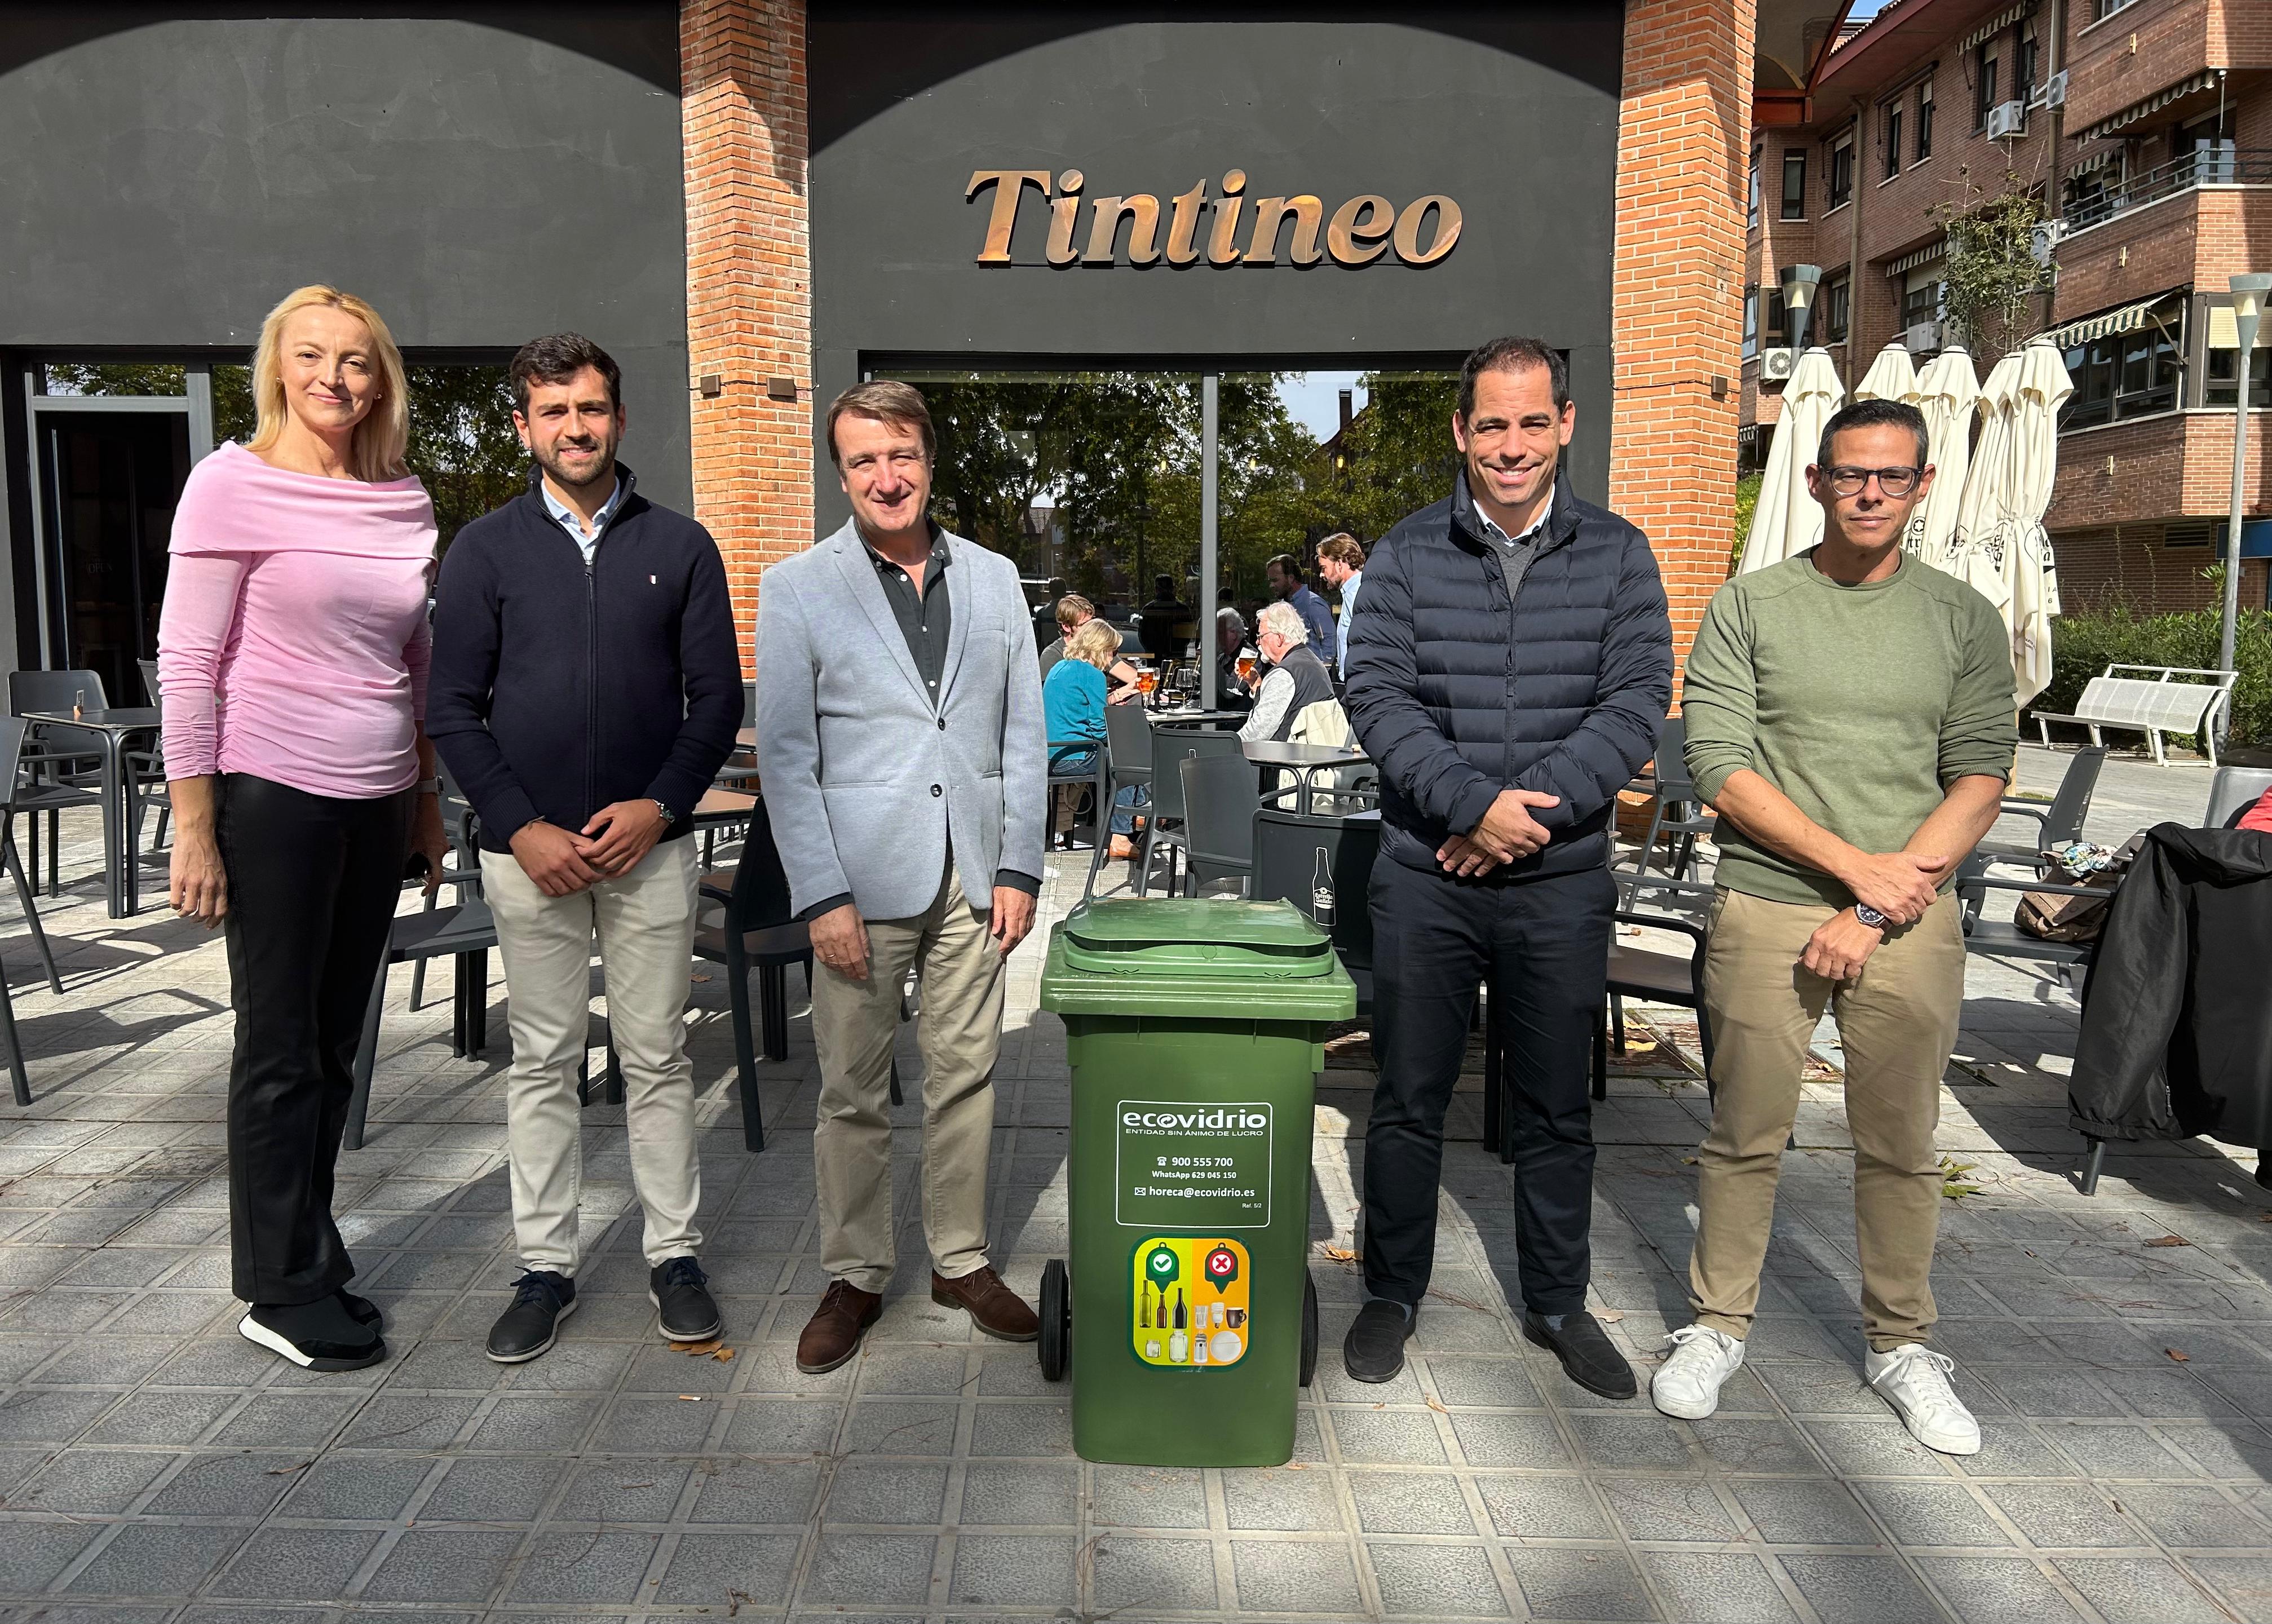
{"points": [[559, 688], [1459, 688]]}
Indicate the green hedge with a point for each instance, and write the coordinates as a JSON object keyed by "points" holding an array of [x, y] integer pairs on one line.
{"points": [[2084, 644]]}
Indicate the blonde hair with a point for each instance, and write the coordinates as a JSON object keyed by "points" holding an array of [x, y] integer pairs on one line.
{"points": [[1097, 642], [376, 450]]}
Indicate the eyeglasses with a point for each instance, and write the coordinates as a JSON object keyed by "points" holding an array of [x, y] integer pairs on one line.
{"points": [[1895, 482]]}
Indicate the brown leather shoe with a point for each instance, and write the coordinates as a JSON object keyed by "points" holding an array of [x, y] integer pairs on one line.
{"points": [[831, 1336], [993, 1306]]}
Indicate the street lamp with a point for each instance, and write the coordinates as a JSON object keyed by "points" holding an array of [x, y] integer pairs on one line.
{"points": [[1799, 283], [2248, 293]]}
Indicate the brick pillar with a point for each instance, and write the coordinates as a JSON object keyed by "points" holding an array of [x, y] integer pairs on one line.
{"points": [[1677, 312], [749, 288]]}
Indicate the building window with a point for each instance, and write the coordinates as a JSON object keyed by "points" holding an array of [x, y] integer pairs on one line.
{"points": [[2101, 10], [2127, 375], [1794, 184], [2221, 368], [1924, 120], [1751, 322], [1777, 329], [2023, 74], [1921, 299], [1893, 139], [2207, 144], [1842, 171], [1753, 221], [1837, 308], [1983, 77]]}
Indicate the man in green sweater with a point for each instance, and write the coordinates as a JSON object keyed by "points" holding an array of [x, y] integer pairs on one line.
{"points": [[1850, 716]]}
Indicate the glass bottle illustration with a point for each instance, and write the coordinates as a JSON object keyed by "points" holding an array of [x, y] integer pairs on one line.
{"points": [[1179, 1345], [1322, 891], [1182, 1318]]}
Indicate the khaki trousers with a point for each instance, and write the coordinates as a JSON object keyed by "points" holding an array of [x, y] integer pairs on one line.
{"points": [[1897, 1020], [645, 923], [960, 1030]]}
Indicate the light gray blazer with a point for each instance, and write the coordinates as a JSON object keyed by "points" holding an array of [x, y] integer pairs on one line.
{"points": [[866, 782]]}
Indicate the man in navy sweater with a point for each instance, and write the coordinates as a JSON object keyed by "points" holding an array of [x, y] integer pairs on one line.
{"points": [[586, 689]]}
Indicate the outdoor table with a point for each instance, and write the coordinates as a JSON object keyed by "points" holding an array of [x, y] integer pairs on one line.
{"points": [[1304, 761], [746, 738], [111, 728], [1193, 717], [722, 806]]}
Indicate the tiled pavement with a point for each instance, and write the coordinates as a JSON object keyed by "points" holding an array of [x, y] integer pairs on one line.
{"points": [[155, 1467]]}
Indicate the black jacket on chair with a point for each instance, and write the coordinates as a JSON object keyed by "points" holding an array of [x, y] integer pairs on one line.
{"points": [[2177, 1022]]}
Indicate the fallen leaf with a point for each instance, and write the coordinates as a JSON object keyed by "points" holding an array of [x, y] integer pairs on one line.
{"points": [[1438, 1408], [695, 1350], [704, 978], [2179, 1355], [1339, 1254], [1610, 1316], [724, 1356], [286, 1471], [2118, 1504], [1690, 1161], [2169, 1240]]}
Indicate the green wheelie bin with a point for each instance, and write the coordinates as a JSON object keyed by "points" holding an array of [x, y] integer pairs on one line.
{"points": [[1196, 1029]]}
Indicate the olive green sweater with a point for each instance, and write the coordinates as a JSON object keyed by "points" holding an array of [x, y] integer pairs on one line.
{"points": [[1862, 703]]}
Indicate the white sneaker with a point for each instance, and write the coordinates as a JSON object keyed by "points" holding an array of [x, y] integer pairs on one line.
{"points": [[1914, 1379], [1688, 1383]]}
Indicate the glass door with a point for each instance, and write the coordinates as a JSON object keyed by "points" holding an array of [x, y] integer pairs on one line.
{"points": [[109, 482]]}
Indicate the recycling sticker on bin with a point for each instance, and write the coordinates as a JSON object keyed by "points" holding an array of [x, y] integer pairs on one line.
{"points": [[1193, 1164], [1189, 1302]]}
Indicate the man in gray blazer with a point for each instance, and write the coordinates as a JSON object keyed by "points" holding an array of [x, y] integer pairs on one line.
{"points": [[902, 749]]}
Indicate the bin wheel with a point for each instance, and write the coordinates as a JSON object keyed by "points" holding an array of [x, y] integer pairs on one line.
{"points": [[1309, 1328], [1057, 1320]]}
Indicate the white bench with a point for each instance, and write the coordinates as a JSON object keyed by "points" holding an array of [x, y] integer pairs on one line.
{"points": [[2153, 704]]}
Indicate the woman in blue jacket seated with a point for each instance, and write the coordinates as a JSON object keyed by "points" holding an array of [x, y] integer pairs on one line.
{"points": [[1073, 707]]}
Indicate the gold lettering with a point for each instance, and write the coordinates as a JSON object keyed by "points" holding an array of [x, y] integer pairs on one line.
{"points": [[1408, 229], [1105, 228], [1065, 214], [1355, 243], [1184, 226], [1222, 241], [1269, 214], [1009, 191]]}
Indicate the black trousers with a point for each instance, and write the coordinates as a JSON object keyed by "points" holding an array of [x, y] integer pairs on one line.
{"points": [[313, 882], [1544, 946]]}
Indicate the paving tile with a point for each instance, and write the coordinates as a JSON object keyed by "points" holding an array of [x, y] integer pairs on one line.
{"points": [[2186, 1516], [488, 1489], [1633, 1443], [35, 1417], [1498, 1383], [2138, 1589], [1934, 1514], [2060, 1514], [445, 1565], [91, 1481], [1510, 1441], [1990, 1590], [1276, 1497], [536, 1425], [239, 1486], [1579, 1584], [1859, 1589], [886, 1571], [643, 1426], [1542, 1507], [623, 1489], [1020, 1495], [346, 1486], [1805, 1512], [1166, 1574], [1288, 1576], [315, 1563], [886, 1491], [409, 1423], [1409, 1502], [735, 1491], [602, 1566], [156, 1559], [1669, 1509], [1435, 1581], [712, 1570], [2238, 1452], [2244, 1581], [33, 1553], [2116, 1452], [1147, 1497], [1384, 1436], [1755, 1443], [1711, 1588], [999, 1429]]}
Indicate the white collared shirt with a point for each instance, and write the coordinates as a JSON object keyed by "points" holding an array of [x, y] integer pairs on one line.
{"points": [[571, 521]]}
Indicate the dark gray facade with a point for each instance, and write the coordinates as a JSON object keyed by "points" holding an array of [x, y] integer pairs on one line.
{"points": [[1513, 115], [480, 178]]}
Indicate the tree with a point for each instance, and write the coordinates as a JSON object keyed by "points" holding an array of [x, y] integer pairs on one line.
{"points": [[1990, 270]]}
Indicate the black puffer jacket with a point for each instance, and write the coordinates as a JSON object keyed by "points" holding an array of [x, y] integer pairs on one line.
{"points": [[1457, 693]]}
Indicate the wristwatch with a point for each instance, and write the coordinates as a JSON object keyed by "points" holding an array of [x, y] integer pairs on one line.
{"points": [[1870, 916], [669, 816]]}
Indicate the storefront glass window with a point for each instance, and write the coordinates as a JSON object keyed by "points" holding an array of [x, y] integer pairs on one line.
{"points": [[2127, 375], [113, 378]]}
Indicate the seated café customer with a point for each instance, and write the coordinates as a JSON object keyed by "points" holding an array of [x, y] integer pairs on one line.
{"points": [[1296, 680], [1072, 708], [1231, 644], [1073, 610]]}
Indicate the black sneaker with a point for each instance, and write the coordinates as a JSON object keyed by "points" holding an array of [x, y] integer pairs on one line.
{"points": [[540, 1300], [315, 1335], [1373, 1350], [1588, 1355], [362, 1310], [683, 1307]]}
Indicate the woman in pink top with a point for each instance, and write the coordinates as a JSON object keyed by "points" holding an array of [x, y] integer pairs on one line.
{"points": [[291, 654]]}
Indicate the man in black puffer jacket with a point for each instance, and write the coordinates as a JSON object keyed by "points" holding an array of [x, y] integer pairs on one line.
{"points": [[1508, 677]]}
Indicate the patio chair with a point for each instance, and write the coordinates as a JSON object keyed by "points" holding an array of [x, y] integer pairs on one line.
{"points": [[1165, 831], [1128, 765], [2059, 821], [1290, 848], [2233, 792], [755, 928], [1084, 764], [60, 774], [1220, 803], [1678, 813], [146, 769], [12, 731]]}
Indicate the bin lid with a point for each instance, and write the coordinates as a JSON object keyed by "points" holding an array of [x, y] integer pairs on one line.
{"points": [[1196, 936], [1195, 958]]}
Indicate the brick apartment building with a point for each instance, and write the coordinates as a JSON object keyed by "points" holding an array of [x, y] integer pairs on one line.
{"points": [[2146, 127], [787, 207]]}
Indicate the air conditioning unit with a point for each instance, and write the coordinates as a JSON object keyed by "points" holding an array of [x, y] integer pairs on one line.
{"points": [[1924, 339], [2043, 238], [1775, 365], [2006, 120], [2052, 93]]}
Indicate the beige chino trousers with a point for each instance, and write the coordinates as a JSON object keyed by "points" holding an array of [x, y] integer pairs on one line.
{"points": [[959, 1030], [1897, 1020], [645, 924]]}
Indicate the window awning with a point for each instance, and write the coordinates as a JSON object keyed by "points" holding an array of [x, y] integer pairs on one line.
{"points": [[2099, 157], [2151, 105], [1996, 25], [2129, 318], [1910, 261]]}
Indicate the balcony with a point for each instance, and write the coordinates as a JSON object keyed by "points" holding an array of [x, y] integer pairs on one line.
{"points": [[2102, 200]]}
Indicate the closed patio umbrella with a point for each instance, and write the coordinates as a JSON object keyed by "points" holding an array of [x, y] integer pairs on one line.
{"points": [[1788, 519], [1948, 394], [1977, 550], [1893, 375], [2038, 392]]}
